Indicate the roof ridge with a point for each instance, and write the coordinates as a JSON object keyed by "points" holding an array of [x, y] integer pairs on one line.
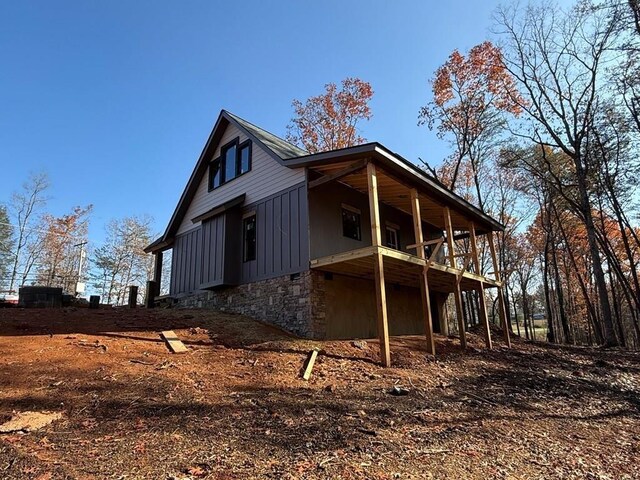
{"points": [[260, 129]]}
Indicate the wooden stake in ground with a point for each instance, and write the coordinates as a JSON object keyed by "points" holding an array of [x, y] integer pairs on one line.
{"points": [[310, 362], [173, 342]]}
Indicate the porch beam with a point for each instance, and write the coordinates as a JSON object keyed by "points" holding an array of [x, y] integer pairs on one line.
{"points": [[502, 311], [354, 167], [378, 267], [424, 282], [484, 317], [457, 294]]}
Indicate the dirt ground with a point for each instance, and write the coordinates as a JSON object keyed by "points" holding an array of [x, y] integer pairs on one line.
{"points": [[235, 406]]}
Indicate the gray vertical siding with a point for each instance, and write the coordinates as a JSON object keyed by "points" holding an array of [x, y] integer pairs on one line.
{"points": [[186, 262], [213, 234], [211, 255], [282, 236]]}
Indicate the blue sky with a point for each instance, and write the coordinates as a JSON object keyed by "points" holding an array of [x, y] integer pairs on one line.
{"points": [[114, 100]]}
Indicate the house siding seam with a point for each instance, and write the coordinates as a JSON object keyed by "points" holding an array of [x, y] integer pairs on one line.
{"points": [[266, 177]]}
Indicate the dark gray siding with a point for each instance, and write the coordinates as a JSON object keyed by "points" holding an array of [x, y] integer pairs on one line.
{"points": [[282, 235], [211, 255], [213, 251], [325, 213], [186, 262]]}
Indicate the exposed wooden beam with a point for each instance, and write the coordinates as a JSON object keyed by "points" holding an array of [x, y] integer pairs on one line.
{"points": [[484, 317], [424, 283], [502, 310], [378, 267], [457, 294], [424, 243], [354, 167]]}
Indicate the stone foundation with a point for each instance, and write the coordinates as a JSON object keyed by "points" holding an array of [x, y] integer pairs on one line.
{"points": [[292, 302]]}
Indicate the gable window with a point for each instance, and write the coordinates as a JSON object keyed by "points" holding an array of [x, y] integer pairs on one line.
{"points": [[393, 237], [215, 174], [234, 160], [229, 159], [351, 222], [249, 238]]}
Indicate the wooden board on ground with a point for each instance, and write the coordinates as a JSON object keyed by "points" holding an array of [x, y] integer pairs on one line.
{"points": [[173, 342], [310, 363]]}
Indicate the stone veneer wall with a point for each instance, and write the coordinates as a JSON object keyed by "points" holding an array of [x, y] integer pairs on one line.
{"points": [[292, 302]]}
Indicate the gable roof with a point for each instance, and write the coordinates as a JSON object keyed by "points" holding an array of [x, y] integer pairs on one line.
{"points": [[277, 145], [277, 148], [292, 156]]}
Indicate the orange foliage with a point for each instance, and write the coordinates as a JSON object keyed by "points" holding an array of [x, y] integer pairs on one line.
{"points": [[328, 121]]}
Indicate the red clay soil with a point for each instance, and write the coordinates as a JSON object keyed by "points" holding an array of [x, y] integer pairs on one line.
{"points": [[235, 406]]}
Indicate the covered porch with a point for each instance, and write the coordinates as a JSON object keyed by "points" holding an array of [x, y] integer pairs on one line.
{"points": [[447, 262]]}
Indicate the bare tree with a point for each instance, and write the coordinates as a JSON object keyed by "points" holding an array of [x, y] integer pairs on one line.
{"points": [[24, 208], [559, 59]]}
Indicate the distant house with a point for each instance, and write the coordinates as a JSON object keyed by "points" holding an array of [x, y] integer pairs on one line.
{"points": [[356, 242]]}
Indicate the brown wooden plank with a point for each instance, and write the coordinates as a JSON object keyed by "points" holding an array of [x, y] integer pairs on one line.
{"points": [[173, 342], [457, 295], [484, 318], [502, 311], [310, 363], [381, 295]]}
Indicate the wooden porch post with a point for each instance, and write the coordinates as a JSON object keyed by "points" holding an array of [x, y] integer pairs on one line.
{"points": [[502, 311], [484, 318], [456, 293], [378, 267], [157, 272], [424, 283]]}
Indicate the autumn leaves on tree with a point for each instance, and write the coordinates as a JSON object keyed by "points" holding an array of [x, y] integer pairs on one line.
{"points": [[330, 121]]}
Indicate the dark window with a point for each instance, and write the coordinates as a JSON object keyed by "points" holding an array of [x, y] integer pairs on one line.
{"points": [[234, 161], [215, 174], [392, 238], [351, 224], [249, 238], [229, 156], [244, 158]]}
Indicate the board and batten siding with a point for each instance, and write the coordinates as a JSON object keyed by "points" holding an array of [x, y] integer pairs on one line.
{"points": [[186, 262], [208, 255], [282, 241], [266, 178]]}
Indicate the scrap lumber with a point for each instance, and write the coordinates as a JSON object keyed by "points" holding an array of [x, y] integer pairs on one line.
{"points": [[173, 342], [310, 362]]}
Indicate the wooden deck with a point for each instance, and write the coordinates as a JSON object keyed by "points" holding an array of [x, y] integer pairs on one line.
{"points": [[401, 268]]}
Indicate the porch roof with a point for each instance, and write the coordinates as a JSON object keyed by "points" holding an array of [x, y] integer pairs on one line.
{"points": [[396, 176]]}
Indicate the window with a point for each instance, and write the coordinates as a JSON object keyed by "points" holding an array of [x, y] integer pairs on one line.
{"points": [[244, 158], [249, 238], [229, 156], [215, 174], [234, 160], [392, 237], [351, 222]]}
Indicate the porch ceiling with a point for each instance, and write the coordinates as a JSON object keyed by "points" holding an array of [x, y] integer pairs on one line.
{"points": [[399, 268], [396, 193]]}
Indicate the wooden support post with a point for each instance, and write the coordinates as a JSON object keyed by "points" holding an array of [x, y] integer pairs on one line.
{"points": [[424, 282], [502, 311], [457, 294], [133, 296], [150, 294], [484, 317], [378, 268], [157, 272]]}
